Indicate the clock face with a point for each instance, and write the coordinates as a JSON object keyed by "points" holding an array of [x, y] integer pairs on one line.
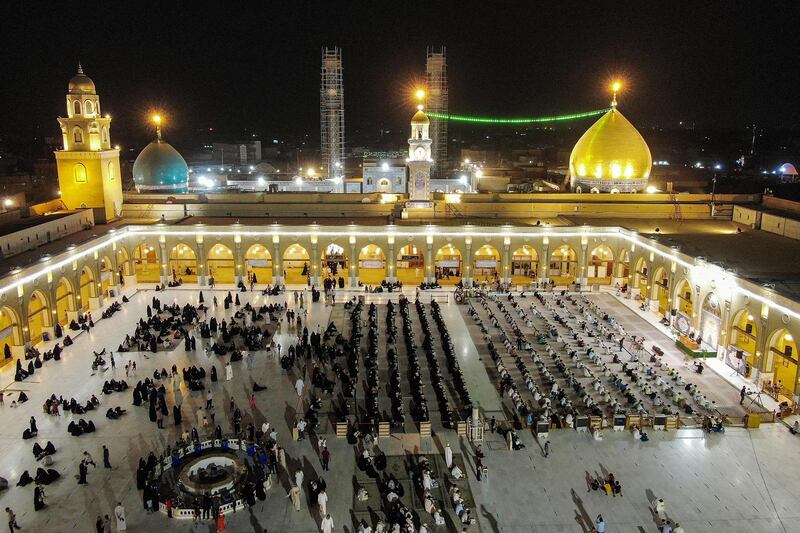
{"points": [[420, 153]]}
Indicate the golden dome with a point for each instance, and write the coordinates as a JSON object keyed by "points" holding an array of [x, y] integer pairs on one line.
{"points": [[611, 150], [420, 118], [81, 83]]}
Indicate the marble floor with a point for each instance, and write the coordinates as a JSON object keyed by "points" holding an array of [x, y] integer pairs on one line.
{"points": [[736, 482]]}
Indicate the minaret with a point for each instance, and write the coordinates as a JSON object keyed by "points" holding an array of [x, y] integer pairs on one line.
{"points": [[419, 156], [88, 166]]}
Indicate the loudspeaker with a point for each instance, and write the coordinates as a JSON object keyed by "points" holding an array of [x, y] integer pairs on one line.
{"points": [[673, 312]]}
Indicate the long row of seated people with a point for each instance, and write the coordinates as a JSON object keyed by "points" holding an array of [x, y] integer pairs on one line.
{"points": [[76, 429], [437, 380], [43, 477], [419, 404]]}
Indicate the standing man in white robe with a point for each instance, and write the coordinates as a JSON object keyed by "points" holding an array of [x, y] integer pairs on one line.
{"points": [[228, 371], [448, 456], [327, 524]]}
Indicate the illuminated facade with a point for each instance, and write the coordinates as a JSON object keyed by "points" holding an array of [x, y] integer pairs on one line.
{"points": [[419, 158], [88, 166]]}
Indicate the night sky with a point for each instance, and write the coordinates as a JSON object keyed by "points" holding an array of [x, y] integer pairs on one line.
{"points": [[239, 69]]}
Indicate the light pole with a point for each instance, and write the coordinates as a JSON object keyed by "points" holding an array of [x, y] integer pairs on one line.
{"points": [[713, 190]]}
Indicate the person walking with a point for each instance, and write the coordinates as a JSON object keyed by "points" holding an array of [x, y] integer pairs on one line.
{"points": [[253, 401], [298, 478], [294, 495], [299, 385], [600, 524], [326, 458], [220, 522], [88, 459], [119, 514], [322, 501], [34, 429], [546, 448], [326, 526], [106, 460], [228, 371], [82, 470], [742, 394], [209, 399], [661, 509], [448, 456], [12, 520]]}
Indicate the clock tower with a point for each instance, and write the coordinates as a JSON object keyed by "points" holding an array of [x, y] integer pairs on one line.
{"points": [[419, 158]]}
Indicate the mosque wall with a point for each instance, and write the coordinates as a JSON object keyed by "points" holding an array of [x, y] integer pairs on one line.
{"points": [[718, 303]]}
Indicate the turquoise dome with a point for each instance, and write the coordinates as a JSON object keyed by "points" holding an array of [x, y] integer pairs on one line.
{"points": [[160, 168]]}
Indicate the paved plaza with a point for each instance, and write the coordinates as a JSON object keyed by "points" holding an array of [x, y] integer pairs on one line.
{"points": [[739, 481]]}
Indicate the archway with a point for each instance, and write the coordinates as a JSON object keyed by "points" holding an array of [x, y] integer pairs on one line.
{"points": [[640, 276], [296, 265], [410, 265], [384, 185], [487, 259], [524, 265], [258, 262], [601, 265], [183, 264], [65, 301], [221, 265], [782, 362], [334, 262], [38, 316], [710, 320], [624, 265], [563, 265], [660, 291], [87, 289], [743, 339], [145, 263], [371, 265], [448, 265], [10, 334], [106, 275], [684, 317], [123, 263]]}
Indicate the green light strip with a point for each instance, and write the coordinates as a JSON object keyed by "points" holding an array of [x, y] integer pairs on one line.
{"points": [[537, 120]]}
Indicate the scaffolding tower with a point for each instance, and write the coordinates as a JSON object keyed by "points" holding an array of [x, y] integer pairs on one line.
{"points": [[331, 111], [436, 102]]}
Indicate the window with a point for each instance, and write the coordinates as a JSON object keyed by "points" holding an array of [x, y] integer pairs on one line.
{"points": [[369, 181], [76, 106], [105, 134], [110, 171], [89, 107], [80, 173], [77, 135]]}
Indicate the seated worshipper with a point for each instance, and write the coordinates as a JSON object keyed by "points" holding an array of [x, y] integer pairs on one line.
{"points": [[456, 472], [24, 479]]}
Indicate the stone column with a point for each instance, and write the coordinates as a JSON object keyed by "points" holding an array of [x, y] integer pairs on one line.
{"points": [[506, 267], [238, 258], [277, 261], [467, 266], [430, 277], [315, 261], [202, 267], [544, 261], [353, 263], [164, 258], [583, 264], [391, 261]]}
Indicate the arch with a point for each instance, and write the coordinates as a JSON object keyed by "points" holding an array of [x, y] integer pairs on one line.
{"points": [[123, 262], [660, 291], [104, 136], [384, 185], [684, 306], [601, 265], [221, 264], [110, 171], [145, 262], [743, 340], [485, 263], [296, 265], [781, 362], [258, 263], [10, 330], [710, 320], [563, 265], [38, 316], [624, 264], [448, 262], [88, 106], [79, 172], [106, 275], [334, 261], [410, 265], [65, 301], [524, 264], [77, 135], [183, 264], [87, 288], [371, 265], [640, 276], [76, 107]]}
